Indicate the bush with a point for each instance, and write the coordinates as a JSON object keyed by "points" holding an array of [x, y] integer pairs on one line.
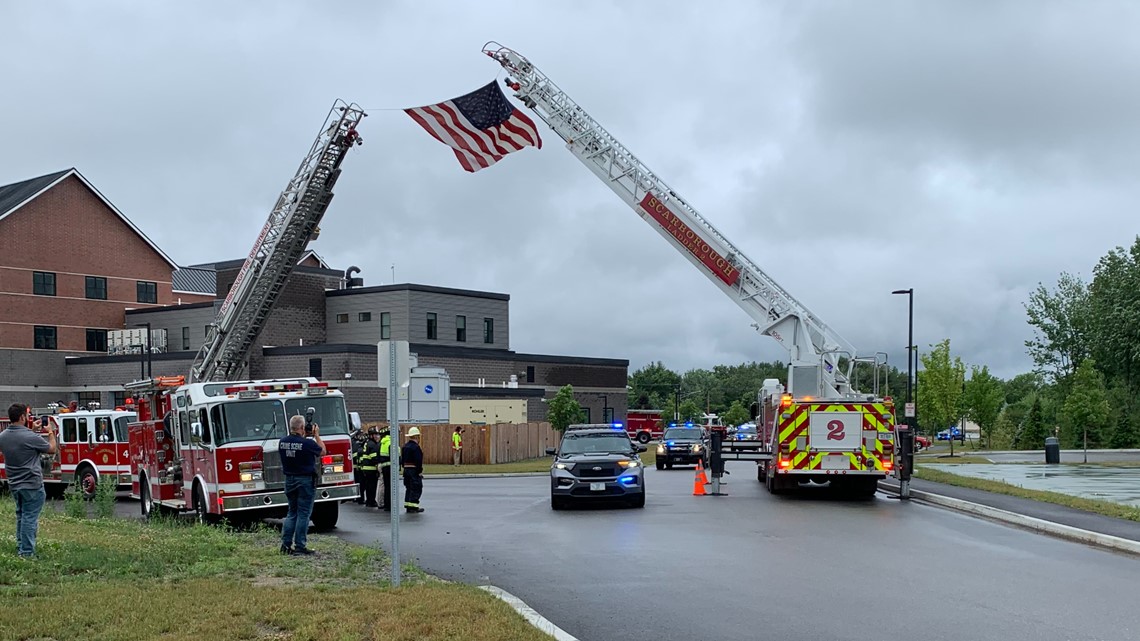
{"points": [[105, 497]]}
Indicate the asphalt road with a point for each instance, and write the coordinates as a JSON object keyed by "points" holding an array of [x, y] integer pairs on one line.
{"points": [[753, 566]]}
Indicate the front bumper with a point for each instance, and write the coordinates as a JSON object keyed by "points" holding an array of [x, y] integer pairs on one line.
{"points": [[565, 484], [684, 457], [264, 500]]}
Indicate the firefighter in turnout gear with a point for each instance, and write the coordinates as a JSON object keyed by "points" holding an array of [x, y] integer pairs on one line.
{"points": [[412, 460], [386, 470], [359, 438], [369, 458]]}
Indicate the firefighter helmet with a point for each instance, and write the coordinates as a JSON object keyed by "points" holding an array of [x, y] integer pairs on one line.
{"points": [[415, 431]]}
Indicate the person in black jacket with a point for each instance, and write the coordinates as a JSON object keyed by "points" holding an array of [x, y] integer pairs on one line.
{"points": [[359, 438], [412, 458], [369, 460]]}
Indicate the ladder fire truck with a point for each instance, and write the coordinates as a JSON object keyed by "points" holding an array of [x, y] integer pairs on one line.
{"points": [[92, 448], [209, 444], [821, 428]]}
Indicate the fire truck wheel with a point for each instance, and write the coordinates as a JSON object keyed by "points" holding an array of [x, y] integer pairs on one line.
{"points": [[643, 437], [88, 480], [145, 505], [201, 513], [325, 515]]}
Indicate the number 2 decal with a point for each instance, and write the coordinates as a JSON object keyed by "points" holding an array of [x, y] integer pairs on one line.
{"points": [[230, 464], [835, 430]]}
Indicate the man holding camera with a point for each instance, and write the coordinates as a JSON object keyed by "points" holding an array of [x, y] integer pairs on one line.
{"points": [[22, 448], [299, 463]]}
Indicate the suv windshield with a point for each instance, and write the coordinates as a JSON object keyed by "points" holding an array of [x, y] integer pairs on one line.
{"points": [[595, 443], [329, 414], [682, 434]]}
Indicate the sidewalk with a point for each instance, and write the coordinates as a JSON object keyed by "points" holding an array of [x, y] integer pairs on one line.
{"points": [[1045, 511]]}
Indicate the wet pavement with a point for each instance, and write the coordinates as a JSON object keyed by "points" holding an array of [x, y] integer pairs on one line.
{"points": [[752, 566], [1103, 482]]}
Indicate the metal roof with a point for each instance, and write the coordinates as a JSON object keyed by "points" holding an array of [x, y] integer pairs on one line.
{"points": [[195, 280]]}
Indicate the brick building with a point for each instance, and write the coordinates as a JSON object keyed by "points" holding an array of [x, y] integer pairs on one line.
{"points": [[320, 326]]}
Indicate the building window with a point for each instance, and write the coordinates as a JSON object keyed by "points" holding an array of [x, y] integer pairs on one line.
{"points": [[97, 287], [608, 415], [530, 373], [364, 317], [488, 330], [118, 399], [341, 318], [185, 338], [431, 334], [461, 329], [316, 370], [43, 283], [385, 326], [147, 291], [96, 340], [586, 412], [89, 397], [45, 337]]}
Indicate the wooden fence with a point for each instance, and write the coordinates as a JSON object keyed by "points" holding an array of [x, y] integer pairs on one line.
{"points": [[498, 443]]}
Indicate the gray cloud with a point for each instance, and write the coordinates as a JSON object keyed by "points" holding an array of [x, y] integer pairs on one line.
{"points": [[968, 150]]}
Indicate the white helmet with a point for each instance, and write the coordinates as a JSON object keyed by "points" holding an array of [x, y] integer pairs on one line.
{"points": [[415, 431]]}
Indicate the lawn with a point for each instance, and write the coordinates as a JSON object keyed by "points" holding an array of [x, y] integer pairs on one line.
{"points": [[1106, 508], [127, 580]]}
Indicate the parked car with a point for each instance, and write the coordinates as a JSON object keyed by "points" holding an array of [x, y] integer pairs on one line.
{"points": [[952, 433], [921, 442], [682, 446]]}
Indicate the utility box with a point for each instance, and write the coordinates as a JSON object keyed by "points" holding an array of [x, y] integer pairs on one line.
{"points": [[488, 411], [429, 396], [133, 341]]}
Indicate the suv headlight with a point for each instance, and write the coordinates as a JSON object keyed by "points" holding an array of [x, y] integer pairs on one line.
{"points": [[629, 464], [697, 447], [660, 448], [561, 466]]}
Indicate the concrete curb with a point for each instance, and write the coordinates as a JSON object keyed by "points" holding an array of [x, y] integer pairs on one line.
{"points": [[528, 613], [485, 476], [1028, 522]]}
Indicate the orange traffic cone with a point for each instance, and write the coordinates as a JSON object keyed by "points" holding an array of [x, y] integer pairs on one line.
{"points": [[701, 473], [698, 485]]}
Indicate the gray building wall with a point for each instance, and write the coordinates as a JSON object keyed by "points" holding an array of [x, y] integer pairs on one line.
{"points": [[409, 306]]}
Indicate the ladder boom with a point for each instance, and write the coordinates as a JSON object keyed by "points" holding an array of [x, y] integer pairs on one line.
{"points": [[292, 223], [811, 343]]}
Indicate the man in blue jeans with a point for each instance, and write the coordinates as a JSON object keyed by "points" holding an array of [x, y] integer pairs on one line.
{"points": [[22, 448], [299, 463]]}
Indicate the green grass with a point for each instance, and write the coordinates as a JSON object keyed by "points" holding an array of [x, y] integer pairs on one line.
{"points": [[127, 580], [1107, 508]]}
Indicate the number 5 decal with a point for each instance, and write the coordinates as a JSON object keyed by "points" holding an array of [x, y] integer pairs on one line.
{"points": [[230, 465], [834, 431]]}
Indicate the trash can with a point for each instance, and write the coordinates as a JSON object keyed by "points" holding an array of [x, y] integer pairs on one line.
{"points": [[1052, 451]]}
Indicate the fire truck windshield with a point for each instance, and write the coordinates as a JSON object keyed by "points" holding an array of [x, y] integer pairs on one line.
{"points": [[251, 421], [328, 413]]}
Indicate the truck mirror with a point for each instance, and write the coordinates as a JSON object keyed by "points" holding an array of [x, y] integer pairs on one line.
{"points": [[196, 433], [550, 451]]}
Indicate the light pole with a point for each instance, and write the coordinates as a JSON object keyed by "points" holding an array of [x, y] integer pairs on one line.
{"points": [[911, 419]]}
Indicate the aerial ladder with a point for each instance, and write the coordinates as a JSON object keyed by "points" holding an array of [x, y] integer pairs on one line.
{"points": [[821, 362], [292, 224]]}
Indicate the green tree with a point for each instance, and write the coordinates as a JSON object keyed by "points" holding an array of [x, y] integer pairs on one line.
{"points": [[1060, 320], [1086, 415], [1021, 386], [564, 409], [651, 385], [1033, 431], [690, 411], [1003, 433], [1114, 303], [736, 414], [1125, 418], [942, 378], [983, 400]]}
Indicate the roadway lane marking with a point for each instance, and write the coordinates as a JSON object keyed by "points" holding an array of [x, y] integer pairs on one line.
{"points": [[528, 613]]}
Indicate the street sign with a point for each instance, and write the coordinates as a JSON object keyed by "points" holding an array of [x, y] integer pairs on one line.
{"points": [[908, 412]]}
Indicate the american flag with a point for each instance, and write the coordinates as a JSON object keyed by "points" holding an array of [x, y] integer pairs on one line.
{"points": [[480, 127]]}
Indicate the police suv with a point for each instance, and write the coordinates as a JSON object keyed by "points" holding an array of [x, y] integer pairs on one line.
{"points": [[596, 462]]}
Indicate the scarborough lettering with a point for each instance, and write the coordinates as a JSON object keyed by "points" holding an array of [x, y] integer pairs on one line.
{"points": [[716, 263]]}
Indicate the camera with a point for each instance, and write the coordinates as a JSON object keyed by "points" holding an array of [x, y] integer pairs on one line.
{"points": [[309, 412]]}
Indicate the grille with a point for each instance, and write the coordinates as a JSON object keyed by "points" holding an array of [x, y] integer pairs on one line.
{"points": [[271, 469], [586, 470]]}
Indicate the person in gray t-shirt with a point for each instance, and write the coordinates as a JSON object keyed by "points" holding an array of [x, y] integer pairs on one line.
{"points": [[22, 448]]}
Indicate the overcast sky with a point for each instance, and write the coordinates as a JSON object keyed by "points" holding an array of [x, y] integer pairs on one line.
{"points": [[966, 149]]}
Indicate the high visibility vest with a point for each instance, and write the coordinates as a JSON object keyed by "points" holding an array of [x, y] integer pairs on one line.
{"points": [[385, 448], [456, 441]]}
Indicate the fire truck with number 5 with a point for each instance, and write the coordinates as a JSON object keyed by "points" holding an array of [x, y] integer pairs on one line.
{"points": [[208, 444]]}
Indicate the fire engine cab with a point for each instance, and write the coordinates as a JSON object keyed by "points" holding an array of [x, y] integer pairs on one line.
{"points": [[92, 448], [212, 447]]}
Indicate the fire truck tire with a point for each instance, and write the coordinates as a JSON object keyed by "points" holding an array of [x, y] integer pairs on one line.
{"points": [[325, 515], [145, 504], [87, 479], [761, 472], [643, 437], [201, 509]]}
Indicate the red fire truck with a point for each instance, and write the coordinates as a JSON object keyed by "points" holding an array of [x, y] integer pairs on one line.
{"points": [[92, 449], [212, 447], [209, 444], [643, 425]]}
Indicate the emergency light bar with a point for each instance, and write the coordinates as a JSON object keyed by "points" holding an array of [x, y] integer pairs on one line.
{"points": [[255, 390]]}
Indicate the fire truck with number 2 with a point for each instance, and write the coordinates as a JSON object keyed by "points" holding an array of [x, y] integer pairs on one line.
{"points": [[821, 428], [209, 444]]}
